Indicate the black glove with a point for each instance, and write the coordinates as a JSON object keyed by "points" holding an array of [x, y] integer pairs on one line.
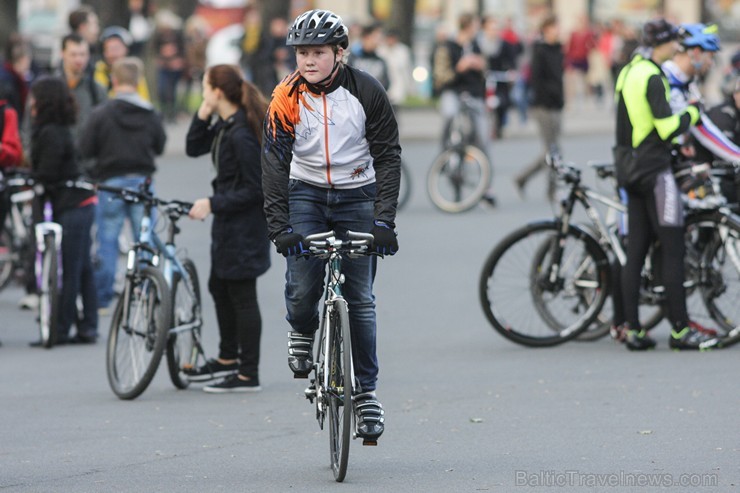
{"points": [[385, 242], [290, 243]]}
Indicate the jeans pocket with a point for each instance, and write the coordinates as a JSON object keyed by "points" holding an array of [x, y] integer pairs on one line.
{"points": [[369, 191], [292, 183]]}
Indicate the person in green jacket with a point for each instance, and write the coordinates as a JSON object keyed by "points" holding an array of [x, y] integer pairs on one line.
{"points": [[645, 130]]}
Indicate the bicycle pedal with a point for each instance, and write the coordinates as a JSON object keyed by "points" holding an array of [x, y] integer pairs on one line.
{"points": [[369, 443], [300, 376]]}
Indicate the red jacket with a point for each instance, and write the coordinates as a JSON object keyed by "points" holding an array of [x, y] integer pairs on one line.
{"points": [[11, 151]]}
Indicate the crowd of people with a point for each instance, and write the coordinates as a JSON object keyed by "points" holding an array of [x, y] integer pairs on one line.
{"points": [[93, 121], [94, 117]]}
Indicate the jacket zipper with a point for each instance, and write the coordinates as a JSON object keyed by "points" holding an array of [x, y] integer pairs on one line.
{"points": [[326, 142]]}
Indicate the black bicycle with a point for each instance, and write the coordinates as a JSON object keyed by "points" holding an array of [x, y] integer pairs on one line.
{"points": [[333, 385]]}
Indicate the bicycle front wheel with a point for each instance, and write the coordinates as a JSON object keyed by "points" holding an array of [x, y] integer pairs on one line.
{"points": [[138, 332], [539, 288], [6, 257], [49, 292], [183, 341], [458, 179], [404, 193], [339, 366]]}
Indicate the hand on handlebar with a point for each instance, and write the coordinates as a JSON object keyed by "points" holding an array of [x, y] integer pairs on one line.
{"points": [[289, 243]]}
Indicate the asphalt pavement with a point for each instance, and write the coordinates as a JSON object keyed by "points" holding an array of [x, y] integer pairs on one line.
{"points": [[466, 409]]}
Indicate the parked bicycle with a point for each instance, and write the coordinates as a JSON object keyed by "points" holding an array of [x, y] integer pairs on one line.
{"points": [[461, 174], [45, 245], [547, 282], [333, 386], [16, 247], [160, 307]]}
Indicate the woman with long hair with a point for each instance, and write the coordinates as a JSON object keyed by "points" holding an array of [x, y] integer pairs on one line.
{"points": [[54, 162], [228, 124]]}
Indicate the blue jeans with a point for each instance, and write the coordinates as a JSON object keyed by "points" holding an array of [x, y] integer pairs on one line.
{"points": [[315, 210], [111, 213], [77, 273]]}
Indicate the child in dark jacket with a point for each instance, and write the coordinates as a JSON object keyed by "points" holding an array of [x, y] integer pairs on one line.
{"points": [[240, 249]]}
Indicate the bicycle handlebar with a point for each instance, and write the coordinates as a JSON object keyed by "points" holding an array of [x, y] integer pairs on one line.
{"points": [[173, 208], [322, 245]]}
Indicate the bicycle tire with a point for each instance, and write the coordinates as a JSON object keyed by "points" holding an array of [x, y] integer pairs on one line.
{"points": [[149, 304], [404, 193], [49, 292], [340, 393], [458, 179], [7, 261], [722, 287], [513, 276], [183, 347]]}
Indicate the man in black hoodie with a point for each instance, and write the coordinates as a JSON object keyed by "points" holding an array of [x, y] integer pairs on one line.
{"points": [[547, 98], [123, 135]]}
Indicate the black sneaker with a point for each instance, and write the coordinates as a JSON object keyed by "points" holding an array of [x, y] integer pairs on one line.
{"points": [[233, 383], [300, 354], [369, 416], [638, 340], [212, 370], [691, 338]]}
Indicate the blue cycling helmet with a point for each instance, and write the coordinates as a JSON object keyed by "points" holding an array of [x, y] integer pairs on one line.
{"points": [[699, 36]]}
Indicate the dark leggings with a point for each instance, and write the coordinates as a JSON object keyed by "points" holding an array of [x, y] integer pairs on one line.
{"points": [[656, 215], [239, 322]]}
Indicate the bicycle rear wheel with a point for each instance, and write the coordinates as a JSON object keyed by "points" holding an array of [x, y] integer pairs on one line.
{"points": [[49, 292], [721, 288], [458, 179], [183, 345], [526, 305], [138, 333], [339, 393]]}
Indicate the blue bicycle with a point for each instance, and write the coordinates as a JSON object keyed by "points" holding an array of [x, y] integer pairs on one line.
{"points": [[160, 307]]}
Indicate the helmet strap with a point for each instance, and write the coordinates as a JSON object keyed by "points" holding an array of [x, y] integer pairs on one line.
{"points": [[329, 77]]}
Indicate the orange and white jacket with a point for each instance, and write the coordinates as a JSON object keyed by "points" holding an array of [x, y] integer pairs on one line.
{"points": [[344, 135]]}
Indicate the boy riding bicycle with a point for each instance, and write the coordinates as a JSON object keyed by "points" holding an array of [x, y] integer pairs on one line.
{"points": [[331, 161]]}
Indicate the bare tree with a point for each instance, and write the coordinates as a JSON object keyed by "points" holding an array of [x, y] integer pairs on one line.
{"points": [[8, 21], [402, 19], [110, 12], [271, 9]]}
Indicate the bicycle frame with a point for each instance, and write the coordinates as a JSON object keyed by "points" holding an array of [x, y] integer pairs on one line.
{"points": [[332, 296], [326, 246], [584, 196], [42, 230]]}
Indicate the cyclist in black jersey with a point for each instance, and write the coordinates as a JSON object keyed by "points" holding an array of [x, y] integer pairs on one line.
{"points": [[645, 128], [331, 161]]}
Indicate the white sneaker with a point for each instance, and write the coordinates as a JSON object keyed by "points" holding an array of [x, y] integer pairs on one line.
{"points": [[29, 302]]}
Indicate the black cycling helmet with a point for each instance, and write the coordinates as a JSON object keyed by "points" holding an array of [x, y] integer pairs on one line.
{"points": [[117, 32], [318, 27], [657, 32]]}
